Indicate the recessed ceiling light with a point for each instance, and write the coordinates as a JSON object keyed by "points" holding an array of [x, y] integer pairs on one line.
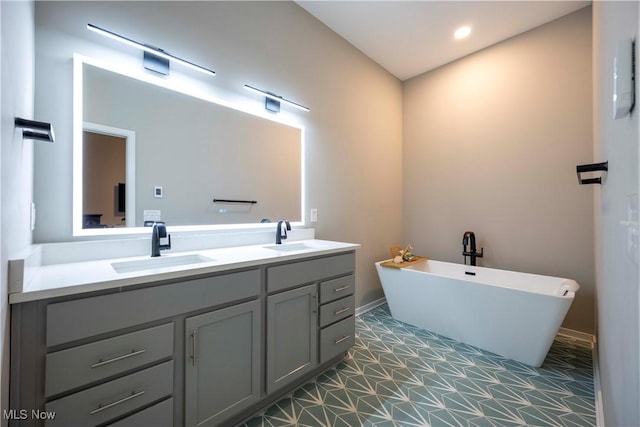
{"points": [[462, 32]]}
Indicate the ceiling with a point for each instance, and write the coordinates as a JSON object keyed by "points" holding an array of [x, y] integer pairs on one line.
{"points": [[409, 38]]}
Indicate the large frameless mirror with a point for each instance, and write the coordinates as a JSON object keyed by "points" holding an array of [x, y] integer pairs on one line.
{"points": [[143, 152]]}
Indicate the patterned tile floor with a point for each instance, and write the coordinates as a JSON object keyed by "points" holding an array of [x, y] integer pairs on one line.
{"points": [[399, 375]]}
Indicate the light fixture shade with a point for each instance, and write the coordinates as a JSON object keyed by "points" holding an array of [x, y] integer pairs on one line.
{"points": [[272, 101], [156, 57], [271, 104], [155, 63]]}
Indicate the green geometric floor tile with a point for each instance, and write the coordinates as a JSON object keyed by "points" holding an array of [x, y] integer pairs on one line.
{"points": [[397, 375], [550, 385], [580, 405], [468, 387], [581, 388], [501, 413], [508, 395], [443, 417], [536, 417], [576, 420]]}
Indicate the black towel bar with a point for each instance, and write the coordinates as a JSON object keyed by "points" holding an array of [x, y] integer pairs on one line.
{"points": [[591, 167], [32, 129], [253, 202]]}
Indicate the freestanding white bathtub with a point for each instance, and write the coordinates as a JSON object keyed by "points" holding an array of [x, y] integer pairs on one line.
{"points": [[516, 315]]}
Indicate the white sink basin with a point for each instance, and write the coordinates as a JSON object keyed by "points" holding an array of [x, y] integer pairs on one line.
{"points": [[158, 262], [290, 247]]}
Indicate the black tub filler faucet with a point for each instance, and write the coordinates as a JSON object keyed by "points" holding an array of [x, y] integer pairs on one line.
{"points": [[469, 247]]}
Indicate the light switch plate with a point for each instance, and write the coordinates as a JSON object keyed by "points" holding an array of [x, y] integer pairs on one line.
{"points": [[314, 215], [33, 216]]}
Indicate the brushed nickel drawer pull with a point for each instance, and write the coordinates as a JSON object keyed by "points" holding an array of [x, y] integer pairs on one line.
{"points": [[342, 310], [344, 338], [194, 347], [116, 359], [101, 408], [342, 288]]}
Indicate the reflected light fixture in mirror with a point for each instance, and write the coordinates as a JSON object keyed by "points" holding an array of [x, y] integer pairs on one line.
{"points": [[155, 59], [172, 88]]}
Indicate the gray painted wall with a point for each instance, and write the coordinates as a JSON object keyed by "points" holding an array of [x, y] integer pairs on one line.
{"points": [[491, 142], [618, 280], [353, 132], [16, 155]]}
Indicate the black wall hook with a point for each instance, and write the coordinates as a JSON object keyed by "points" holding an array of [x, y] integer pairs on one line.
{"points": [[591, 167], [39, 131]]}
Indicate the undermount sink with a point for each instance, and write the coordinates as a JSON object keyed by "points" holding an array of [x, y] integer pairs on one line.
{"points": [[158, 262], [290, 247]]}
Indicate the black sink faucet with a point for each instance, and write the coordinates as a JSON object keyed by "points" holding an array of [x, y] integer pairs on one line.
{"points": [[159, 231], [469, 239], [281, 230]]}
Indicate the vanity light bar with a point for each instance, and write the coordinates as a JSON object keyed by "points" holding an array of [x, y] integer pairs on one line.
{"points": [[149, 49], [275, 106]]}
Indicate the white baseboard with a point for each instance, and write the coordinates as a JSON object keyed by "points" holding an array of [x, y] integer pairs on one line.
{"points": [[370, 306], [597, 389], [580, 336], [590, 340]]}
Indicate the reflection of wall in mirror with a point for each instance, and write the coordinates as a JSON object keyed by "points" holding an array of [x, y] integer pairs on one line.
{"points": [[197, 151], [103, 170]]}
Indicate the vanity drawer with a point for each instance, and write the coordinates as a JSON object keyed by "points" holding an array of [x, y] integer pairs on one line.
{"points": [[83, 318], [298, 273], [158, 415], [337, 338], [99, 404], [85, 364], [337, 310], [337, 288]]}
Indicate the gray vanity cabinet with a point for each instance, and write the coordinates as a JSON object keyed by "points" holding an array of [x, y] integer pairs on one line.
{"points": [[291, 335], [207, 350], [294, 321], [337, 321], [222, 363]]}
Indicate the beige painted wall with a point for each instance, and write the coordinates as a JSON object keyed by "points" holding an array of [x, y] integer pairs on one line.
{"points": [[491, 142], [353, 131]]}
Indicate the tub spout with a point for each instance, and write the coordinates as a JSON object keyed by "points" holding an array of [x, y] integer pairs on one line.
{"points": [[469, 247]]}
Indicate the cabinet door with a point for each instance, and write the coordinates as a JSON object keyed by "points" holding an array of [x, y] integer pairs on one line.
{"points": [[222, 363], [291, 335]]}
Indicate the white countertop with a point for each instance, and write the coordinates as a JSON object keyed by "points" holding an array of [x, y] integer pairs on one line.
{"points": [[78, 277]]}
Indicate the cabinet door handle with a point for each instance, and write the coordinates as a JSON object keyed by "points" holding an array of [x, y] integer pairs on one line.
{"points": [[339, 340], [102, 407], [342, 310], [118, 358], [314, 310], [342, 288], [194, 347]]}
